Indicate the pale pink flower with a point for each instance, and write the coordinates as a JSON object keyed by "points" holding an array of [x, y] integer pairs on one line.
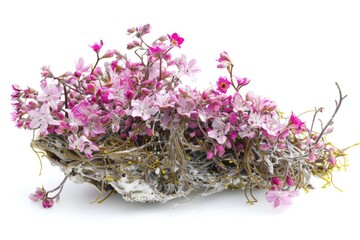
{"points": [[143, 108], [39, 194], [186, 107], [186, 68], [260, 104], [164, 100], [93, 126], [82, 144], [219, 131], [224, 60], [239, 104], [51, 95], [256, 120], [42, 118], [80, 68], [280, 198]]}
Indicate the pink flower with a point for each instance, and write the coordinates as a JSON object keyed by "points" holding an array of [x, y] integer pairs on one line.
{"points": [[39, 194], [97, 46], [186, 107], [280, 198], [223, 84], [143, 108], [164, 100], [296, 123], [93, 126], [224, 60], [141, 30], [219, 131], [275, 181], [80, 68], [332, 158], [82, 144], [47, 203], [51, 95], [186, 68], [41, 118], [242, 81], [175, 39], [289, 181]]}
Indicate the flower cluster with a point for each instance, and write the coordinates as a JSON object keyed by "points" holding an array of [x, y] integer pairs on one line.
{"points": [[137, 101]]}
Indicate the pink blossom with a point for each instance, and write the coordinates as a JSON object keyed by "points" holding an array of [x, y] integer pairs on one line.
{"points": [[82, 110], [289, 181], [275, 181], [42, 118], [164, 100], [312, 155], [176, 40], [224, 60], [80, 68], [220, 150], [259, 104], [47, 203], [280, 198], [332, 158], [238, 104], [142, 30], [39, 194], [219, 131], [186, 68], [97, 46], [109, 54], [51, 95], [296, 123], [185, 107], [242, 81], [143, 108], [223, 84], [82, 144], [256, 120], [93, 126]]}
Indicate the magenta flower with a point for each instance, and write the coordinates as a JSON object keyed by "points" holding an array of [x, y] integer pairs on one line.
{"points": [[219, 131], [97, 46], [176, 40], [42, 118], [280, 198], [296, 123], [223, 84], [47, 203]]}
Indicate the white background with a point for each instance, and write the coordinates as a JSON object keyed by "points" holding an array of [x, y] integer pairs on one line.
{"points": [[294, 52]]}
